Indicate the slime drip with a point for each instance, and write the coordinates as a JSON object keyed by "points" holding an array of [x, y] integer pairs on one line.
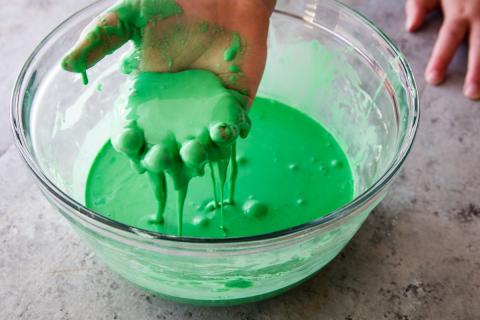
{"points": [[290, 171], [175, 124]]}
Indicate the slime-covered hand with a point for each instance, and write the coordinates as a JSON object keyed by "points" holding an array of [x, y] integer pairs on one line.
{"points": [[195, 66], [227, 37]]}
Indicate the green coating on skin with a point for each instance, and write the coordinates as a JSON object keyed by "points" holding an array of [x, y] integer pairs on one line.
{"points": [[235, 47], [133, 16], [175, 124], [239, 283], [204, 27], [140, 12], [130, 62], [280, 196], [234, 78], [234, 68], [96, 38]]}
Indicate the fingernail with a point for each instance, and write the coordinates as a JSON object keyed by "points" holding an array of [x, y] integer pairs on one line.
{"points": [[472, 91], [434, 77]]}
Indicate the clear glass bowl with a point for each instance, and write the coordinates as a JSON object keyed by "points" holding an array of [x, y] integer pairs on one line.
{"points": [[356, 83]]}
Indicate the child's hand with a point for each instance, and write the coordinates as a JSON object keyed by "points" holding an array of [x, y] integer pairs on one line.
{"points": [[227, 37], [462, 19]]}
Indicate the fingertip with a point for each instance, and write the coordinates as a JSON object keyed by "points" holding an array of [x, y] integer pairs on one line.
{"points": [[415, 14], [66, 64], [472, 91], [434, 76], [409, 24], [413, 23], [472, 81]]}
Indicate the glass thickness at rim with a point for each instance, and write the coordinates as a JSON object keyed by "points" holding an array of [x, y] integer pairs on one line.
{"points": [[16, 117]]}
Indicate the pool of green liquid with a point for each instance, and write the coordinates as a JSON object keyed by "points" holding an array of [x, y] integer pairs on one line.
{"points": [[289, 163]]}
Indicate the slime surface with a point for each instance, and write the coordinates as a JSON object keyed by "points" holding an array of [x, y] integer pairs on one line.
{"points": [[290, 171], [174, 125]]}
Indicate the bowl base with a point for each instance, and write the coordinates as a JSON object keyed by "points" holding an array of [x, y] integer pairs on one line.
{"points": [[227, 303]]}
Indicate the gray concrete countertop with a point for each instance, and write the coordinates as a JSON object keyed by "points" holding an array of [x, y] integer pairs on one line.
{"points": [[416, 257]]}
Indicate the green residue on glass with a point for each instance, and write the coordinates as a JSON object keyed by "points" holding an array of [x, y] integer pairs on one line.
{"points": [[239, 283], [234, 49], [270, 193], [99, 86]]}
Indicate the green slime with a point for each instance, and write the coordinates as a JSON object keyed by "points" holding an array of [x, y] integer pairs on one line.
{"points": [[136, 21], [176, 124], [183, 124], [172, 123], [290, 171], [133, 16]]}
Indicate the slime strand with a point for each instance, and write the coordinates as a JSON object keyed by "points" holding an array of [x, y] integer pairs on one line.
{"points": [[214, 184], [159, 185], [181, 196], [233, 174]]}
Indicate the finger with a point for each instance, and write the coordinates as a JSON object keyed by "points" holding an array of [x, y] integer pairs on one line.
{"points": [[451, 35], [103, 37], [472, 81], [416, 10]]}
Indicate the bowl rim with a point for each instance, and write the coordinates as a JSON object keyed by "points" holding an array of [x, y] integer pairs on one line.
{"points": [[364, 198]]}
